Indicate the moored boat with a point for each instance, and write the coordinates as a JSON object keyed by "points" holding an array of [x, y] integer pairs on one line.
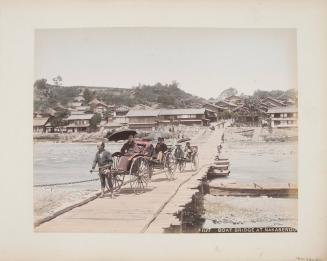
{"points": [[223, 190]]}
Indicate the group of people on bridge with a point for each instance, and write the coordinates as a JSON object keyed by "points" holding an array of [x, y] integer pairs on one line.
{"points": [[104, 160]]}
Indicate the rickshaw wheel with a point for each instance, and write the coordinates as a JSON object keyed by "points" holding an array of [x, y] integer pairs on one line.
{"points": [[139, 176], [195, 163], [170, 166], [117, 180]]}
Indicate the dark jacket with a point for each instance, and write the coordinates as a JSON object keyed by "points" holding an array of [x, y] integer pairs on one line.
{"points": [[129, 148], [160, 147], [150, 151], [102, 159], [179, 153]]}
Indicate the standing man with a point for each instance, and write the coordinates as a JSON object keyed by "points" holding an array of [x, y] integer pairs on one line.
{"points": [[104, 160]]}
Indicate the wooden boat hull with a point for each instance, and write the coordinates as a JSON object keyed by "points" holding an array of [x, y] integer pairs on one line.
{"points": [[245, 131], [221, 162], [244, 191], [219, 167], [211, 174]]}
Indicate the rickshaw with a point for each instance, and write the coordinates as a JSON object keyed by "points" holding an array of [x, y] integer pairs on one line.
{"points": [[167, 165], [194, 159], [138, 170]]}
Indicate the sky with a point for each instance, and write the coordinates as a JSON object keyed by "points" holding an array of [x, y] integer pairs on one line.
{"points": [[204, 61]]}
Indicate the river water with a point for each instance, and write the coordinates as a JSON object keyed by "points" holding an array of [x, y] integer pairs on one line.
{"points": [[260, 162], [62, 162], [263, 163]]}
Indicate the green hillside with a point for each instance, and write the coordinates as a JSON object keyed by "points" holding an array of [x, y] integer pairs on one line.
{"points": [[162, 95]]}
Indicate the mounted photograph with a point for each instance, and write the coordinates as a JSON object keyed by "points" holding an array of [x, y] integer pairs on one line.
{"points": [[165, 130]]}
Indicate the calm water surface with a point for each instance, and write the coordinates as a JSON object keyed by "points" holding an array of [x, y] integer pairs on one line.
{"points": [[60, 162]]}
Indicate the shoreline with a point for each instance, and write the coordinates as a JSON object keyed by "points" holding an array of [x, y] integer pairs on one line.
{"points": [[95, 137]]}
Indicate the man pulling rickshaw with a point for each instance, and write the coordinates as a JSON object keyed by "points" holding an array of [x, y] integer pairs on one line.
{"points": [[103, 159], [188, 155]]}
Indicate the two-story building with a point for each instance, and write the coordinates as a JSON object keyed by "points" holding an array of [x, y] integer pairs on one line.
{"points": [[143, 119], [150, 119], [119, 114], [78, 122], [98, 106], [282, 117], [183, 116]]}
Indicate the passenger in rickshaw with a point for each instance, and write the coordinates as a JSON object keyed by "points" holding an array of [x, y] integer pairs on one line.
{"points": [[160, 149], [149, 151], [188, 151], [128, 150]]}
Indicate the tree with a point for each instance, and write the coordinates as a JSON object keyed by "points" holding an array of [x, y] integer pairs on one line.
{"points": [[227, 93], [41, 89], [56, 121], [226, 114], [95, 121], [57, 81], [166, 99], [107, 114], [88, 95]]}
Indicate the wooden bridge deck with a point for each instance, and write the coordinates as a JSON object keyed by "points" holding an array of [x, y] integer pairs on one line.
{"points": [[148, 212]]}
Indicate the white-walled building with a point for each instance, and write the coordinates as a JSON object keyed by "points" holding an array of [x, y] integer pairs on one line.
{"points": [[283, 117]]}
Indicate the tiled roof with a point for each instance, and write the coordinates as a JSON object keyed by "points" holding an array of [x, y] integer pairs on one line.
{"points": [[122, 109], [182, 111], [40, 121], [143, 113], [284, 109], [155, 113], [273, 100], [214, 106], [80, 117], [227, 103]]}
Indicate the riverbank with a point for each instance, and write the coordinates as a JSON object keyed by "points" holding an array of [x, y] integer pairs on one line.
{"points": [[260, 134], [94, 137], [234, 212]]}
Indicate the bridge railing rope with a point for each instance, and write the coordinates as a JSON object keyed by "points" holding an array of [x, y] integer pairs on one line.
{"points": [[65, 183]]}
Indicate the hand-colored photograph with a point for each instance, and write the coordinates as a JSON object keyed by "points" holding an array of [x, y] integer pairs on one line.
{"points": [[165, 130]]}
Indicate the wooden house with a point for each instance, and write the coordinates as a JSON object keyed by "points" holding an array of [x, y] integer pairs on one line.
{"points": [[218, 111], [143, 119], [78, 122], [98, 106], [184, 116], [39, 124], [283, 117]]}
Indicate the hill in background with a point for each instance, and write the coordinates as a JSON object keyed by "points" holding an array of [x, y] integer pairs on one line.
{"points": [[158, 95]]}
